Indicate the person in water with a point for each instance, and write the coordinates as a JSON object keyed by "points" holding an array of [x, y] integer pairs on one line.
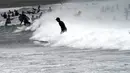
{"points": [[62, 25], [24, 18], [38, 9], [16, 12], [8, 20], [4, 15]]}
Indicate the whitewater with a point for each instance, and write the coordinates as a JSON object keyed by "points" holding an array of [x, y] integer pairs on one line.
{"points": [[91, 25]]}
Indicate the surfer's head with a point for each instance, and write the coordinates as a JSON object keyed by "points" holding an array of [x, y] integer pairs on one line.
{"points": [[58, 19]]}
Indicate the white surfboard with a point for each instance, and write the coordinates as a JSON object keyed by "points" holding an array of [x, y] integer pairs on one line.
{"points": [[20, 29], [44, 43]]}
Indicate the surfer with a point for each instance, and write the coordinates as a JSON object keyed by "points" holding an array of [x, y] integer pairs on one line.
{"points": [[8, 20], [24, 18], [50, 9], [16, 12], [20, 19], [38, 9], [62, 25], [4, 15], [33, 18]]}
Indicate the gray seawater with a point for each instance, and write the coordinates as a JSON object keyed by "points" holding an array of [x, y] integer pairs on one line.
{"points": [[7, 37], [63, 60]]}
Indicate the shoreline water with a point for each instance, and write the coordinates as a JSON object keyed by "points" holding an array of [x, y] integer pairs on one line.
{"points": [[63, 60]]}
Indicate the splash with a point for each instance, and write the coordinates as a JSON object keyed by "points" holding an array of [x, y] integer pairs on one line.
{"points": [[87, 28]]}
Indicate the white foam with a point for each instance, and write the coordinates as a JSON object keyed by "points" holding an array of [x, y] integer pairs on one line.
{"points": [[91, 29]]}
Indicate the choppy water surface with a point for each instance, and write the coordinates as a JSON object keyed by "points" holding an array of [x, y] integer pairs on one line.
{"points": [[63, 60]]}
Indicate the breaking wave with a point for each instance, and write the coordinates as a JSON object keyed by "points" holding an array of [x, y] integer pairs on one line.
{"points": [[85, 30]]}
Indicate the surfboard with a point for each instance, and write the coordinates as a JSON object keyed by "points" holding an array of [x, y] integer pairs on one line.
{"points": [[20, 29], [43, 43]]}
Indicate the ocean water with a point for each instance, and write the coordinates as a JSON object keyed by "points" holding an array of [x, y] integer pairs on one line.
{"points": [[34, 59], [96, 41]]}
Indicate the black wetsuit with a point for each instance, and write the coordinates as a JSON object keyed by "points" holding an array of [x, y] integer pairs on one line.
{"points": [[16, 12], [4, 15], [63, 27], [8, 21], [25, 19]]}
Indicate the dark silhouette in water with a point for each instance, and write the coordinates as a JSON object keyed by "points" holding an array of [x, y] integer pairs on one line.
{"points": [[38, 9], [33, 18], [62, 25], [24, 18], [4, 15], [8, 20], [16, 12], [20, 19], [11, 13], [50, 9], [34, 11]]}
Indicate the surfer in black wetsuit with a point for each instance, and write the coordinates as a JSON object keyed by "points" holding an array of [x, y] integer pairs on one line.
{"points": [[4, 15], [16, 12], [62, 25], [24, 18], [38, 9], [8, 20], [20, 19]]}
